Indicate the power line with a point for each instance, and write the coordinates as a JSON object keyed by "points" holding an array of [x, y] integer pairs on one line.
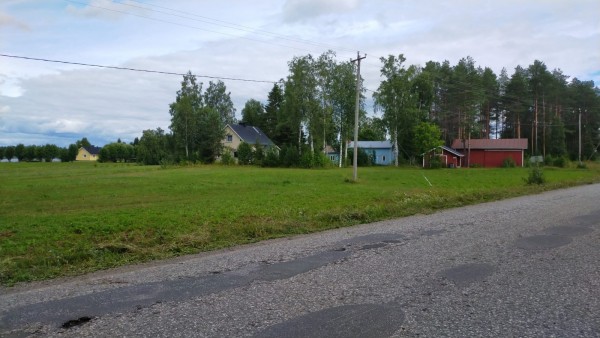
{"points": [[231, 25], [133, 69], [187, 26]]}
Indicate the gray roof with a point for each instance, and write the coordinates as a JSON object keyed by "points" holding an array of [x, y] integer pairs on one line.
{"points": [[252, 135], [93, 150], [448, 149], [372, 144], [452, 151]]}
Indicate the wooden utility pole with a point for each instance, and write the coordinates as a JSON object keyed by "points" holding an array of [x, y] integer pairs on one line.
{"points": [[580, 136], [355, 159]]}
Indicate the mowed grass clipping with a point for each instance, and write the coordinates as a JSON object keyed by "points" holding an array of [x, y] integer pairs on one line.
{"points": [[60, 219]]}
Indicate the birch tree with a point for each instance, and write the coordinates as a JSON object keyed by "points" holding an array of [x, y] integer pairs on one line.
{"points": [[185, 113]]}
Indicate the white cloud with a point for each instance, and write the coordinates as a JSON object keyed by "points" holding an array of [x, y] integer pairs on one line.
{"points": [[107, 9], [301, 10], [9, 21]]}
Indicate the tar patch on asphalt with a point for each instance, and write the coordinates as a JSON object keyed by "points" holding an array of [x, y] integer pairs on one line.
{"points": [[466, 274], [359, 320], [542, 242]]}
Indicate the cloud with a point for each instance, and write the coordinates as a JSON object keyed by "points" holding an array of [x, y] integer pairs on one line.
{"points": [[9, 21], [302, 10], [107, 9]]}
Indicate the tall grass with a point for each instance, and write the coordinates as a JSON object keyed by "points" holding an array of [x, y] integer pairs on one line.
{"points": [[69, 218]]}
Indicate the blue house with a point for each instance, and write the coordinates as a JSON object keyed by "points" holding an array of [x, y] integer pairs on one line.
{"points": [[381, 150], [332, 154]]}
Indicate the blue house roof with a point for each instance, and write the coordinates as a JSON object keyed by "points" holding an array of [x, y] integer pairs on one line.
{"points": [[372, 144]]}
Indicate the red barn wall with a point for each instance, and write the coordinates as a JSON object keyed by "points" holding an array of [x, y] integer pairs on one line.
{"points": [[494, 158], [451, 159]]}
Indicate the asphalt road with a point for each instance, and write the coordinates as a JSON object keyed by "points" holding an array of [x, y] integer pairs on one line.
{"points": [[524, 267]]}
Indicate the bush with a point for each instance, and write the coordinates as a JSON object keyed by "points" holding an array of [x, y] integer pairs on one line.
{"points": [[560, 162], [271, 159], [259, 154], [289, 157], [227, 158], [314, 160], [364, 159], [508, 162], [581, 165], [536, 176], [306, 160], [245, 154], [435, 162]]}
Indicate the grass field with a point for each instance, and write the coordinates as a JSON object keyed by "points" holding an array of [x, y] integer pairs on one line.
{"points": [[60, 219]]}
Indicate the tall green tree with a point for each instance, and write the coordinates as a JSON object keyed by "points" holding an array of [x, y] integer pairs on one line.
{"points": [[584, 100], [440, 111], [344, 103], [516, 104], [185, 114], [466, 95], [83, 143], [539, 83], [491, 97], [427, 136], [253, 114], [395, 96], [218, 98], [323, 122], [20, 151], [71, 153], [210, 134], [152, 147], [272, 116], [300, 98], [9, 153], [372, 129], [557, 146]]}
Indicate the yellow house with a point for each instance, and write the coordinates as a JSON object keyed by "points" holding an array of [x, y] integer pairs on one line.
{"points": [[88, 153], [235, 134]]}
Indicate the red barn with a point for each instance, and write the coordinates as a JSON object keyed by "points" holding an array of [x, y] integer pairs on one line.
{"points": [[491, 153], [449, 157]]}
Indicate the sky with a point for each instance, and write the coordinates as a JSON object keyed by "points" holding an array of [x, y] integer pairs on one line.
{"points": [[45, 102]]}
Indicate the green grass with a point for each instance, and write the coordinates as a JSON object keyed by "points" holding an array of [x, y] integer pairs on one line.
{"points": [[60, 219]]}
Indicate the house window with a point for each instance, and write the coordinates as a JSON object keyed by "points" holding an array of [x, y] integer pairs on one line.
{"points": [[332, 157], [229, 138], [383, 158]]}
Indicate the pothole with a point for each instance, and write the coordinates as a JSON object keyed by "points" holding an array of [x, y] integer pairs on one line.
{"points": [[75, 322]]}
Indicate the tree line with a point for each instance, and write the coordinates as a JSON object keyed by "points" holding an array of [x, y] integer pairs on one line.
{"points": [[420, 107], [47, 153]]}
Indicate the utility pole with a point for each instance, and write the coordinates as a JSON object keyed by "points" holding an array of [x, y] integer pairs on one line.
{"points": [[580, 136], [355, 159]]}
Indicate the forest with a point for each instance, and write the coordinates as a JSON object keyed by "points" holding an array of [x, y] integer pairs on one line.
{"points": [[415, 107]]}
